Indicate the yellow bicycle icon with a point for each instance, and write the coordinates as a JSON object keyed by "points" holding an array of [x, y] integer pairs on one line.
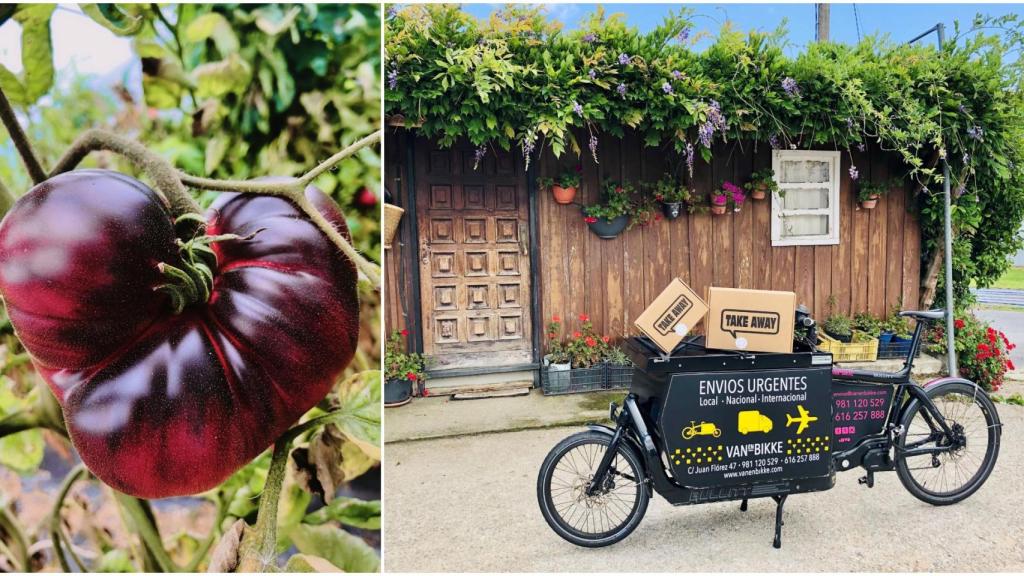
{"points": [[702, 429]]}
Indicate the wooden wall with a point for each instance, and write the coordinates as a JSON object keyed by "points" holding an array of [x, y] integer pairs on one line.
{"points": [[876, 266]]}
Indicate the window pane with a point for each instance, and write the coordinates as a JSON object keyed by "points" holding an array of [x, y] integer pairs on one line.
{"points": [[804, 171], [804, 225], [805, 199]]}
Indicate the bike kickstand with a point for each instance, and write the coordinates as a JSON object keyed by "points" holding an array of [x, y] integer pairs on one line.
{"points": [[779, 502], [743, 505]]}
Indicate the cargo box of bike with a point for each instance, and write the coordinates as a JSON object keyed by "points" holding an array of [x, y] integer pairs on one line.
{"points": [[704, 425]]}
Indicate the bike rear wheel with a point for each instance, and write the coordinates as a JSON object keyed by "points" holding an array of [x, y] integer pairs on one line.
{"points": [[595, 520], [949, 477]]}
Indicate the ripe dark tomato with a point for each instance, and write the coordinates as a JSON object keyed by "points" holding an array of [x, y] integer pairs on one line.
{"points": [[161, 402]]}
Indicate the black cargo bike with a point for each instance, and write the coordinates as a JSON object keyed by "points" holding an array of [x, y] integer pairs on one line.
{"points": [[702, 425]]}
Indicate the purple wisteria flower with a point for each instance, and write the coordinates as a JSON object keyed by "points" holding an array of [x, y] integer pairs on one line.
{"points": [[479, 155], [624, 59], [854, 174], [392, 10], [688, 154], [593, 147], [592, 73], [677, 75], [790, 86], [962, 109], [621, 89], [590, 38], [715, 123], [392, 78], [667, 88], [861, 147], [976, 132], [705, 132], [773, 141], [529, 142], [849, 123], [683, 35], [577, 108]]}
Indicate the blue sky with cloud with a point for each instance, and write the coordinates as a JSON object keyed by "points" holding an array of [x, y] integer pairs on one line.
{"points": [[901, 21]]}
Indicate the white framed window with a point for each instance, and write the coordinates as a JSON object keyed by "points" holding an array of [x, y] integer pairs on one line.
{"points": [[805, 212]]}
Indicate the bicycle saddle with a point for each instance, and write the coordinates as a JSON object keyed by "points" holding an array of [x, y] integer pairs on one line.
{"points": [[924, 314]]}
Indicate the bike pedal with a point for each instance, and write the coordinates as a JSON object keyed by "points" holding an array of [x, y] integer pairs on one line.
{"points": [[868, 479]]}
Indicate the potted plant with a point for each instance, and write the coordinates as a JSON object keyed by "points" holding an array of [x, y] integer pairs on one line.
{"points": [[868, 193], [563, 188], [868, 324], [719, 200], [728, 195], [840, 327], [618, 365], [671, 195], [762, 183], [611, 216], [401, 370], [556, 361]]}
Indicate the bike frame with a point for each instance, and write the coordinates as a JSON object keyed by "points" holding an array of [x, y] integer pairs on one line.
{"points": [[872, 452]]}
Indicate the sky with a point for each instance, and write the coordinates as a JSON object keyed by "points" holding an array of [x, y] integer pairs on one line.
{"points": [[901, 21]]}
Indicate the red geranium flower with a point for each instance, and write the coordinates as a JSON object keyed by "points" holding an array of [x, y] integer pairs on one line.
{"points": [[405, 332], [552, 335], [411, 376], [590, 342], [555, 318], [605, 339], [576, 334], [584, 318], [959, 324], [1009, 364], [590, 219]]}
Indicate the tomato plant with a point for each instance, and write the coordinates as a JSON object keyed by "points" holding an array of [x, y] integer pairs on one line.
{"points": [[169, 321]]}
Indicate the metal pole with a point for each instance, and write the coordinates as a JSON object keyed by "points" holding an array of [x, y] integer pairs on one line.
{"points": [[947, 200]]}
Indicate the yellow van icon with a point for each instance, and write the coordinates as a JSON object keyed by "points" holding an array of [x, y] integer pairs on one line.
{"points": [[753, 421]]}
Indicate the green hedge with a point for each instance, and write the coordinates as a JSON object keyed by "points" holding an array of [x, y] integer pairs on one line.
{"points": [[517, 80]]}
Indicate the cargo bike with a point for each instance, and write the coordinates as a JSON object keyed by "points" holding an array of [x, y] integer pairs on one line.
{"points": [[785, 424]]}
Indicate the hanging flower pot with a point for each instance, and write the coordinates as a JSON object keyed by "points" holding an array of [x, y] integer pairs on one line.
{"points": [[671, 210], [608, 229], [718, 204], [762, 183], [870, 202], [563, 195], [759, 192]]}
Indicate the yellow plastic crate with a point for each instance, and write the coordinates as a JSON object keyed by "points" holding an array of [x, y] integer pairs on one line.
{"points": [[852, 352]]}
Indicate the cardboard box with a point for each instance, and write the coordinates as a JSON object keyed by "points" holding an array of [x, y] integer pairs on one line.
{"points": [[750, 320], [672, 315]]}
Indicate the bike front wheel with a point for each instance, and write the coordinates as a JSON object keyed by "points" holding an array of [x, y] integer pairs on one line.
{"points": [[598, 519], [968, 457]]}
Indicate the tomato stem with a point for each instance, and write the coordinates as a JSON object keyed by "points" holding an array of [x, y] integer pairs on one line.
{"points": [[259, 545], [21, 142]]}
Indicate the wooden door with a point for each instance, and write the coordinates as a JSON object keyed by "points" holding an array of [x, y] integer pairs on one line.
{"points": [[474, 257]]}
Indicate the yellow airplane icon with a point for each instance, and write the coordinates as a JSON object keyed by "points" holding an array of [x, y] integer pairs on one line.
{"points": [[804, 419]]}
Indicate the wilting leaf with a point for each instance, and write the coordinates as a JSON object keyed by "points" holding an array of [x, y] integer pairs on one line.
{"points": [[115, 561], [351, 511], [222, 77], [271, 20], [114, 18], [225, 554], [213, 25], [359, 401], [344, 550]]}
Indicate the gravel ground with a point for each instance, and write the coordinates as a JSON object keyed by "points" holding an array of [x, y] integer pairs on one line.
{"points": [[469, 504]]}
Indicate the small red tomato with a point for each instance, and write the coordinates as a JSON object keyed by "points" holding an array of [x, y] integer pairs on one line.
{"points": [[365, 198], [159, 401]]}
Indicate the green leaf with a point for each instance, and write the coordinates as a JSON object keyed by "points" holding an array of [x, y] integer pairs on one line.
{"points": [[12, 86], [213, 25], [359, 400], [36, 49], [351, 511], [346, 551], [114, 18], [272, 21], [22, 452], [307, 563], [216, 148], [115, 561], [215, 79]]}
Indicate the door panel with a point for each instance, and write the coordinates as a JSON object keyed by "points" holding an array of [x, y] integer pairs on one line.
{"points": [[474, 257]]}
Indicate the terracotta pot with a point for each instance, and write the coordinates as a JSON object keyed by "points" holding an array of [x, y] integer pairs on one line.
{"points": [[718, 208], [563, 195], [608, 229], [760, 192], [671, 210], [870, 203]]}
